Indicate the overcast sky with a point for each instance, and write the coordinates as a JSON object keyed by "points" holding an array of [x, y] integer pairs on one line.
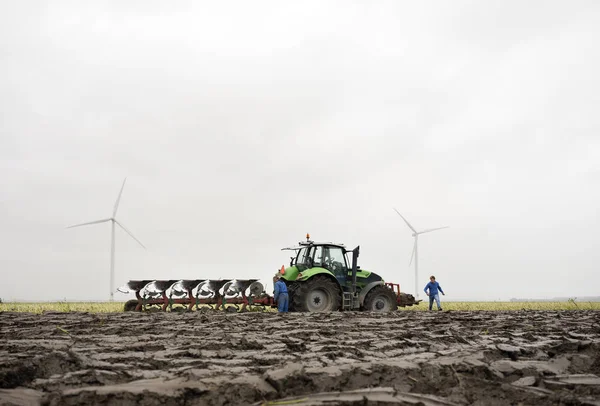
{"points": [[241, 126]]}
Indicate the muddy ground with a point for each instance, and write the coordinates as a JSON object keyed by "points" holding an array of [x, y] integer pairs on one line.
{"points": [[407, 358]]}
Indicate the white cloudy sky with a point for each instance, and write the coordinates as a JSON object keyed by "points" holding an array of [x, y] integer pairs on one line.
{"points": [[243, 125]]}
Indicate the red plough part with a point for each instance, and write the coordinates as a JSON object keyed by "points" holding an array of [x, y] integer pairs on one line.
{"points": [[403, 299], [237, 295]]}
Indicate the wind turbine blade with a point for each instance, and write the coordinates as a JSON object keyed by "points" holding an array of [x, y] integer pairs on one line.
{"points": [[119, 199], [413, 253], [130, 234], [406, 221], [432, 229], [91, 222]]}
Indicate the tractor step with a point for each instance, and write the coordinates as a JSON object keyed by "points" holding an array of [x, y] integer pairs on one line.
{"points": [[347, 302]]}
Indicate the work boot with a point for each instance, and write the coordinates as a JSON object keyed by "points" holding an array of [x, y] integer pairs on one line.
{"points": [[440, 309]]}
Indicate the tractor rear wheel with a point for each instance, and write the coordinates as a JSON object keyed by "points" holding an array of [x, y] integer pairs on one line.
{"points": [[292, 288], [130, 306], [318, 294], [380, 299]]}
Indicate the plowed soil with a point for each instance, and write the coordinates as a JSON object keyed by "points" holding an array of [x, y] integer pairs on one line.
{"points": [[406, 358]]}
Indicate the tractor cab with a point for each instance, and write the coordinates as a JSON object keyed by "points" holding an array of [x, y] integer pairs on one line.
{"points": [[330, 256]]}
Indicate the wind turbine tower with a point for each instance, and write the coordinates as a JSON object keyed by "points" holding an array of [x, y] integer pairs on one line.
{"points": [[415, 251], [113, 221]]}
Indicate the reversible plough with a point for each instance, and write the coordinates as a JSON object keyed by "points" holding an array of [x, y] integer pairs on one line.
{"points": [[237, 295]]}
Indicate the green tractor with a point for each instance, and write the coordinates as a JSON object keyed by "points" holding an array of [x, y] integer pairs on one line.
{"points": [[321, 279]]}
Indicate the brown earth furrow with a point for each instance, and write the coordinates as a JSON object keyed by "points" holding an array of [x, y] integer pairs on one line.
{"points": [[458, 358]]}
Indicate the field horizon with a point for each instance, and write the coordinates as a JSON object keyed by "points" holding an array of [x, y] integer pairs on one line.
{"points": [[116, 307]]}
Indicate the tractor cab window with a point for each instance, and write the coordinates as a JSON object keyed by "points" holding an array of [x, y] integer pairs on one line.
{"points": [[348, 260], [301, 259], [317, 256], [335, 261]]}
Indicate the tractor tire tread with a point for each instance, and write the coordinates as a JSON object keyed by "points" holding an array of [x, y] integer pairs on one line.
{"points": [[299, 298], [292, 292]]}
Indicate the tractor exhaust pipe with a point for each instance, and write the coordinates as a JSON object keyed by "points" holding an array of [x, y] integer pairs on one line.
{"points": [[355, 253]]}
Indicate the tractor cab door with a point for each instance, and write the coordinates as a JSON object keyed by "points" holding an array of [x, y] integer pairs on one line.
{"points": [[334, 260], [309, 257], [303, 260]]}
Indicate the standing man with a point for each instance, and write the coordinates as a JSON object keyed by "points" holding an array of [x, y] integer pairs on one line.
{"points": [[280, 293], [433, 288]]}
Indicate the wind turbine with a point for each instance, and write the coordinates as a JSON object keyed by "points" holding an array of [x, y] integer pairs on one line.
{"points": [[415, 251], [113, 221]]}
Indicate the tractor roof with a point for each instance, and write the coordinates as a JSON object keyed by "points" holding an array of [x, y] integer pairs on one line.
{"points": [[303, 244]]}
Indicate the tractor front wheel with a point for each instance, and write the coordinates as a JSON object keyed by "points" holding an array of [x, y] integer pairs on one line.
{"points": [[380, 299], [318, 294]]}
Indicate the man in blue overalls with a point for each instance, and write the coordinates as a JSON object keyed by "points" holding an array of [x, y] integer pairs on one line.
{"points": [[434, 287], [280, 294]]}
